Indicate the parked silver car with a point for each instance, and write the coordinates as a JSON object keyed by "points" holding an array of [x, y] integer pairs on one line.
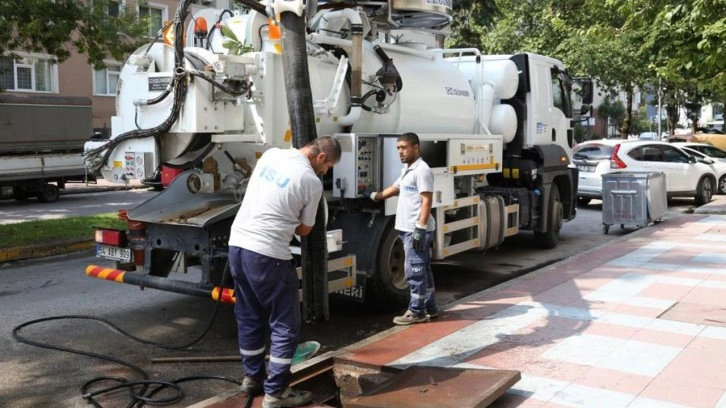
{"points": [[684, 175]]}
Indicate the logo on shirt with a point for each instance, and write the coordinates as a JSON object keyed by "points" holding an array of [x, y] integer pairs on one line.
{"points": [[271, 175], [410, 189]]}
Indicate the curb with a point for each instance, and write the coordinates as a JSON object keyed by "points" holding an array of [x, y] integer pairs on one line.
{"points": [[39, 251]]}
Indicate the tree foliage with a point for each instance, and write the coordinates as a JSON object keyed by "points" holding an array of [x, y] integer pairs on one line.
{"points": [[625, 45], [58, 27], [471, 20]]}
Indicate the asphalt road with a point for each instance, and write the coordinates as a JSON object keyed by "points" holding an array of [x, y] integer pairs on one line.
{"points": [[88, 203], [34, 377]]}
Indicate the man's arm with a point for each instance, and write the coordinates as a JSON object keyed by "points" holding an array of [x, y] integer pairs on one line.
{"points": [[426, 201], [303, 230], [385, 194]]}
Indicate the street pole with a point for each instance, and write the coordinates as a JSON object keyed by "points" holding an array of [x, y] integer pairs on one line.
{"points": [[660, 118]]}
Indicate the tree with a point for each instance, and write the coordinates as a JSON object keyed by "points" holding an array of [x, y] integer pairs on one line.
{"points": [[686, 45], [471, 19], [613, 112], [99, 28]]}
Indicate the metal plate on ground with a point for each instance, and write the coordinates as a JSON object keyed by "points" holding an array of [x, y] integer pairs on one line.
{"points": [[439, 387]]}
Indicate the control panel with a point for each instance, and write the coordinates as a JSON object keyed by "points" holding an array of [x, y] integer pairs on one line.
{"points": [[357, 173]]}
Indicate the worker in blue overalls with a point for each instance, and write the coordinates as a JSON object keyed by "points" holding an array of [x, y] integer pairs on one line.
{"points": [[282, 198]]}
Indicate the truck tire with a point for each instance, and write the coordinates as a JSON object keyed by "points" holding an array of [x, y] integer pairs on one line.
{"points": [[722, 185], [549, 239], [704, 191], [49, 193], [387, 288]]}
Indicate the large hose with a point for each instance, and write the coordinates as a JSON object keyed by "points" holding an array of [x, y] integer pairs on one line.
{"points": [[302, 122]]}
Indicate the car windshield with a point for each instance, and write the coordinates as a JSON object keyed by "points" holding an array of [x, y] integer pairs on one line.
{"points": [[593, 151], [712, 151], [694, 153]]}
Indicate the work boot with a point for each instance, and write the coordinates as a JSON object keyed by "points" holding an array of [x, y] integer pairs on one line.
{"points": [[251, 387], [288, 398], [432, 314], [410, 318]]}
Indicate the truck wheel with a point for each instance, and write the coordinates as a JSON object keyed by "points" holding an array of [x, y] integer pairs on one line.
{"points": [[704, 191], [49, 193], [550, 238], [387, 288]]}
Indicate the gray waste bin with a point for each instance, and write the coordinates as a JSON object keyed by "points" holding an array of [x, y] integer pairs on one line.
{"points": [[633, 198]]}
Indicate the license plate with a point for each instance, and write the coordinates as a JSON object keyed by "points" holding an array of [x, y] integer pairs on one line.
{"points": [[588, 169], [112, 252]]}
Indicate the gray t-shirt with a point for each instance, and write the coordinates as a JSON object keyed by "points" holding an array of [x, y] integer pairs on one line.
{"points": [[283, 192], [414, 180]]}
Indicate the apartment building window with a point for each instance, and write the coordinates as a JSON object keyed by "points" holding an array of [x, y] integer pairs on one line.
{"points": [[114, 7], [28, 73], [105, 80], [155, 14]]}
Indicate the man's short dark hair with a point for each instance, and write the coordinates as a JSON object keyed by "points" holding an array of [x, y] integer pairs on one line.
{"points": [[328, 145], [409, 137]]}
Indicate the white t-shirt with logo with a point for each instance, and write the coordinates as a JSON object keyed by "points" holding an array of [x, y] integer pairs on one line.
{"points": [[283, 192], [414, 180]]}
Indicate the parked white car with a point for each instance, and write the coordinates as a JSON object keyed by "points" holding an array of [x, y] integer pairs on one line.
{"points": [[719, 167], [707, 149], [684, 175]]}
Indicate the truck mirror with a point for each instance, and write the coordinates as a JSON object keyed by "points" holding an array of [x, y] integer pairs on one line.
{"points": [[586, 89]]}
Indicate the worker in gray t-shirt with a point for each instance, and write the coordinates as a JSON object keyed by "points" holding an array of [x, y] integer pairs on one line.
{"points": [[282, 199], [416, 226]]}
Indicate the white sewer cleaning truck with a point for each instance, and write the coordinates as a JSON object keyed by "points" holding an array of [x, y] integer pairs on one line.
{"points": [[201, 107]]}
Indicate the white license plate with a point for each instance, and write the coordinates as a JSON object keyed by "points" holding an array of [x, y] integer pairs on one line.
{"points": [[112, 252], [588, 169]]}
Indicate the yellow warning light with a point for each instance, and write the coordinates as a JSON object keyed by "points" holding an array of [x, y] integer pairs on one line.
{"points": [[274, 33], [168, 34]]}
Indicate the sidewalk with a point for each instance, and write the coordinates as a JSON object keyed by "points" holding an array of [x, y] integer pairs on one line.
{"points": [[638, 322]]}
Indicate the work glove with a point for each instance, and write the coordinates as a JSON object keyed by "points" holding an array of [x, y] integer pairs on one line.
{"points": [[418, 239], [373, 195]]}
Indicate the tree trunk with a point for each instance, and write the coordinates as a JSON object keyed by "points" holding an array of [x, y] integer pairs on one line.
{"points": [[625, 129]]}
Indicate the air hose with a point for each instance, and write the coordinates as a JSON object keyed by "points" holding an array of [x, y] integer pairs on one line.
{"points": [[141, 392]]}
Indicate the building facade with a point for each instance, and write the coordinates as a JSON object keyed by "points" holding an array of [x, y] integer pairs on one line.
{"points": [[35, 73]]}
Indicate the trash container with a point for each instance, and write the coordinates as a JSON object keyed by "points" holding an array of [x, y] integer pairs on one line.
{"points": [[633, 198]]}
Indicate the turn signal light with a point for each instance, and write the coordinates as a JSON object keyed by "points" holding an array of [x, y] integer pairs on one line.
{"points": [[110, 237]]}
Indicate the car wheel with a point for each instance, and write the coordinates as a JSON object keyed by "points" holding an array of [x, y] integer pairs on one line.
{"points": [[704, 191], [583, 201], [722, 185]]}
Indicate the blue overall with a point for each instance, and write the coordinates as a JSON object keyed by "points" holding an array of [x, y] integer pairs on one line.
{"points": [[419, 275], [267, 291]]}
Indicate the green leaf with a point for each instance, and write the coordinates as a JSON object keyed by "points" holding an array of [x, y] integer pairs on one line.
{"points": [[229, 44], [227, 32]]}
